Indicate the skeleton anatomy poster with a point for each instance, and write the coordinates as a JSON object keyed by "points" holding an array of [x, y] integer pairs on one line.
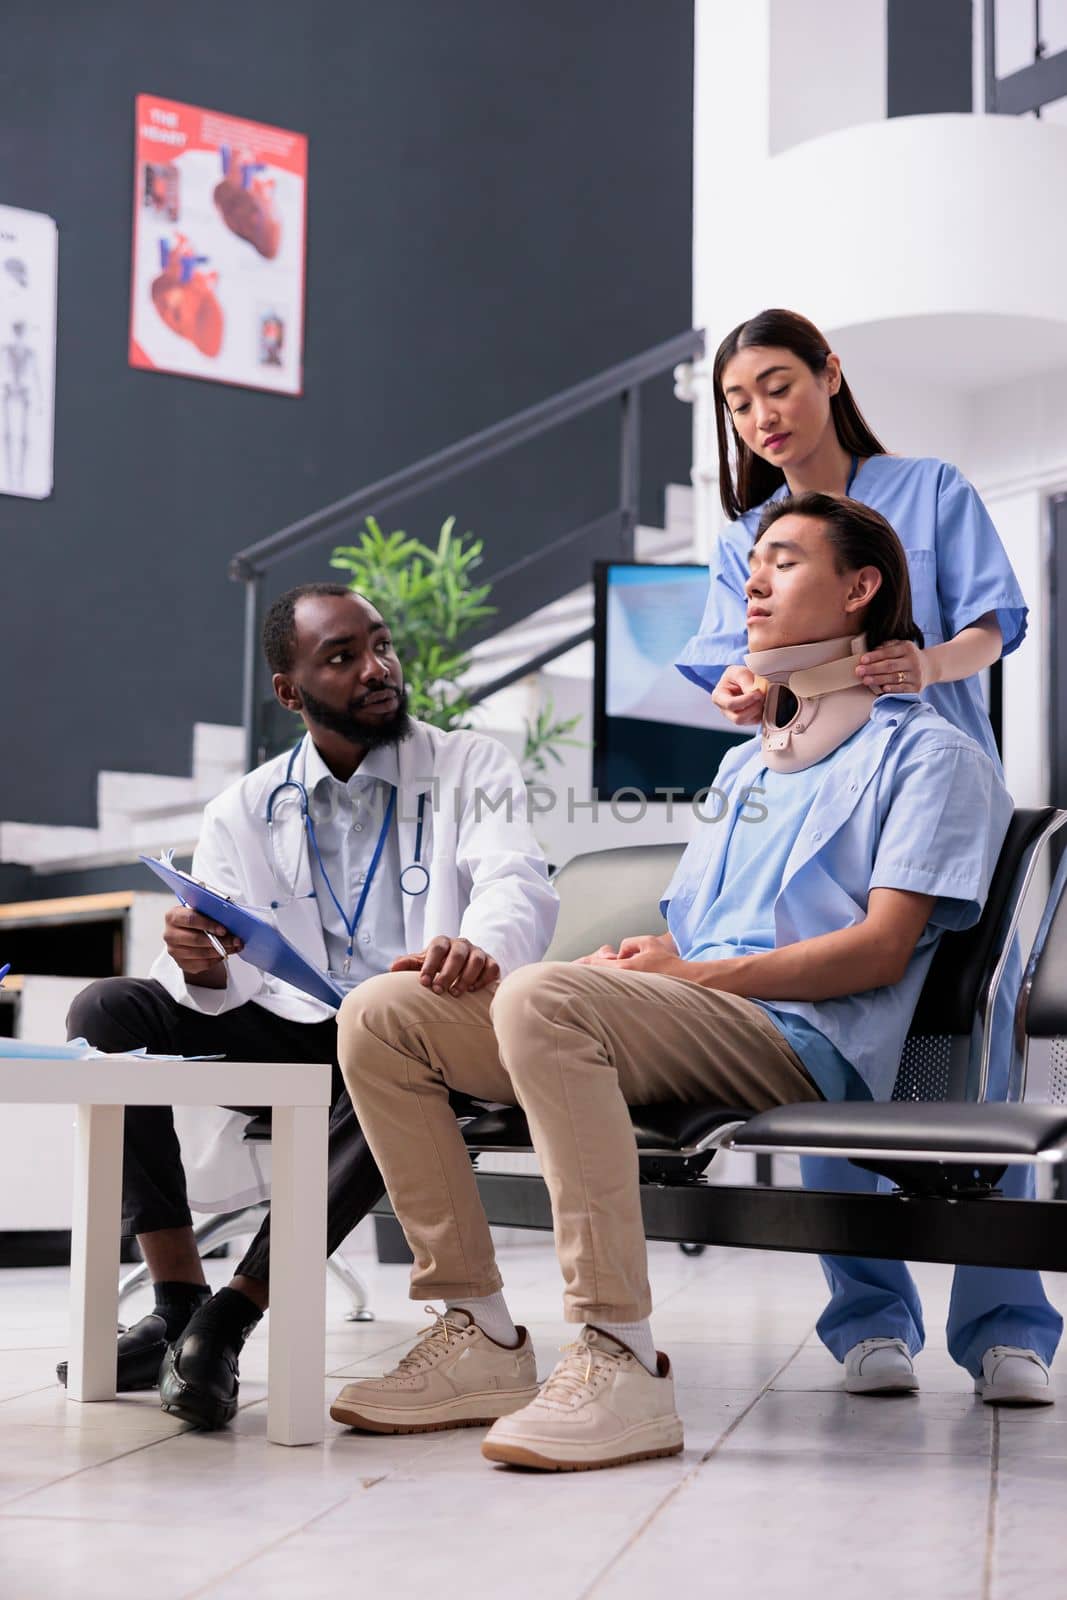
{"points": [[218, 247], [28, 258]]}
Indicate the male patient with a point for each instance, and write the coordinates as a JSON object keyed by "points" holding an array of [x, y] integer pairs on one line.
{"points": [[797, 949], [328, 836]]}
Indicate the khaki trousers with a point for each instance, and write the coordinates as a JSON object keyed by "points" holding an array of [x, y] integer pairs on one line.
{"points": [[574, 1046]]}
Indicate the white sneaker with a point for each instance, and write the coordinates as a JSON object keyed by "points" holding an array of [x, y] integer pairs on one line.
{"points": [[455, 1376], [1012, 1377], [599, 1408], [879, 1366]]}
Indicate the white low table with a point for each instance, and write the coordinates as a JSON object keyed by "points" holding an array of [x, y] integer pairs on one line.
{"points": [[299, 1093]]}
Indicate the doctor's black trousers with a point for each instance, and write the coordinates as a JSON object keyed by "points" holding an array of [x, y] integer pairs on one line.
{"points": [[117, 1014]]}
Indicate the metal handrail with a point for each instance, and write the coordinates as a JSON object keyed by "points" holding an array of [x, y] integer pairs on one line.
{"points": [[621, 382], [469, 452], [551, 652], [1029, 88]]}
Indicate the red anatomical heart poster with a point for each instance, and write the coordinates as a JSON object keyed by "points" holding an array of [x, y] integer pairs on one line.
{"points": [[219, 209]]}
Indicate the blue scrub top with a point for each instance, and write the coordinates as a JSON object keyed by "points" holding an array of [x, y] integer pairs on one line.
{"points": [[738, 919], [907, 803], [959, 572]]}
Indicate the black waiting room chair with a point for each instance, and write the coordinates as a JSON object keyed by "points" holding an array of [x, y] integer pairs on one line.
{"points": [[941, 1140]]}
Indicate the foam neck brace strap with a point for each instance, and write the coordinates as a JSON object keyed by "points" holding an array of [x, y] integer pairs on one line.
{"points": [[813, 701]]}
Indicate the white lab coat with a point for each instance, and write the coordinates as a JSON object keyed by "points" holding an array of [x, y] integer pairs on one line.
{"points": [[488, 883]]}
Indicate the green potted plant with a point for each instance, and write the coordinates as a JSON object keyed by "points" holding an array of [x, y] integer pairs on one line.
{"points": [[433, 602]]}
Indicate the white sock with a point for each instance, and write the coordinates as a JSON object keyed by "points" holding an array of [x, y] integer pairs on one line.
{"points": [[491, 1315], [636, 1336]]}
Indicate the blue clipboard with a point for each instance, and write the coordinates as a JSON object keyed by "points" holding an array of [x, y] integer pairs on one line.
{"points": [[264, 946]]}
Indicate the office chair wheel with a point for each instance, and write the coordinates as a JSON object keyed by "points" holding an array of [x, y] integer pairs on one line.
{"points": [[364, 1314], [692, 1249]]}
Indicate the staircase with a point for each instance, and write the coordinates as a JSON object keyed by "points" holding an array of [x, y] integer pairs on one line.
{"points": [[142, 813], [137, 812]]}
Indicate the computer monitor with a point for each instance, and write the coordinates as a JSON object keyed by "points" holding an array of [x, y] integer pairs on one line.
{"points": [[653, 729]]}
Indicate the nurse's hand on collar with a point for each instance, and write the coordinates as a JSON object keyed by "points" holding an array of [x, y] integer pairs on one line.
{"points": [[898, 666], [737, 697], [451, 966]]}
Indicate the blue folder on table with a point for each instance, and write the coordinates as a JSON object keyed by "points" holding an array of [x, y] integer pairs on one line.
{"points": [[264, 946]]}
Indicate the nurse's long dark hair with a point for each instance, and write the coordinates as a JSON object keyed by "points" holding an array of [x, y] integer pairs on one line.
{"points": [[861, 538], [754, 479]]}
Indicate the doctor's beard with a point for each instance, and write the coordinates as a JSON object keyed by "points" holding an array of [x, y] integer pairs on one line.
{"points": [[371, 735]]}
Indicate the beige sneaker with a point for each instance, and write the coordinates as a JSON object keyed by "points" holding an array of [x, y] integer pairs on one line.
{"points": [[600, 1408], [454, 1377]]}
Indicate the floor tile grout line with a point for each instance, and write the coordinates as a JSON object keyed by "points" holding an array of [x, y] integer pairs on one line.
{"points": [[275, 1544], [69, 1516], [721, 1263], [590, 1590], [991, 1515], [29, 1349], [91, 1466], [23, 1394]]}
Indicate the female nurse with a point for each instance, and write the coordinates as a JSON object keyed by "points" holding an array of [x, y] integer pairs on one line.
{"points": [[783, 405]]}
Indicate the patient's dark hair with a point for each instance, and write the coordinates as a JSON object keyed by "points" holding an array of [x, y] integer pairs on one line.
{"points": [[279, 625], [861, 538], [756, 479]]}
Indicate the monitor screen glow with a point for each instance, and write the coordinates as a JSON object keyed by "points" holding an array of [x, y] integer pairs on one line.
{"points": [[654, 730]]}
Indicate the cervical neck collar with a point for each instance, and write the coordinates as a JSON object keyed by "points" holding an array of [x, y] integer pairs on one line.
{"points": [[813, 700]]}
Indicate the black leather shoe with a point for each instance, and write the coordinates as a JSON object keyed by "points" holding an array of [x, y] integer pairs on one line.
{"points": [[140, 1355], [199, 1381]]}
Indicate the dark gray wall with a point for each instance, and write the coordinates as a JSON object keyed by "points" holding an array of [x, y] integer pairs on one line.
{"points": [[929, 56], [499, 205]]}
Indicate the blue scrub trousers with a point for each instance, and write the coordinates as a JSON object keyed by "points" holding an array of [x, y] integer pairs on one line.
{"points": [[879, 1300], [989, 1305]]}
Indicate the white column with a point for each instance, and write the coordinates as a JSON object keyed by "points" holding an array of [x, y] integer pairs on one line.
{"points": [[296, 1354], [829, 69], [1022, 522], [767, 74], [94, 1253]]}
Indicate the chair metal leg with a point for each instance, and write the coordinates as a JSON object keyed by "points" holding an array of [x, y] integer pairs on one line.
{"points": [[131, 1282], [209, 1234], [357, 1289], [220, 1229]]}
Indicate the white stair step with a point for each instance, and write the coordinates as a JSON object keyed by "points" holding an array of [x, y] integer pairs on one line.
{"points": [[674, 543], [31, 844], [537, 632], [217, 744], [138, 812], [218, 756], [122, 795], [679, 502], [177, 828], [508, 649]]}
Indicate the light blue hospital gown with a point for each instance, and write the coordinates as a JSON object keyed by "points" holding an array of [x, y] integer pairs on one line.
{"points": [[959, 572]]}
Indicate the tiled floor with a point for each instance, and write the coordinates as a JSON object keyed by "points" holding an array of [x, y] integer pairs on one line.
{"points": [[786, 1487]]}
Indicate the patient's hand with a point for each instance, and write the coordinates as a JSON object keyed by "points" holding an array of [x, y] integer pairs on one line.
{"points": [[737, 696], [652, 952], [631, 946], [606, 953], [654, 956], [639, 942]]}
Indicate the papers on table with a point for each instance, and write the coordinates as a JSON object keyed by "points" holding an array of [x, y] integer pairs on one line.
{"points": [[78, 1050]]}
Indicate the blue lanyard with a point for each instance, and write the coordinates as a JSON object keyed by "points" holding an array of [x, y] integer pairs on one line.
{"points": [[351, 927], [852, 474]]}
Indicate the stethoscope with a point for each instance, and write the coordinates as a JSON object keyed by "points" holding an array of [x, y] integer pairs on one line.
{"points": [[414, 878]]}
